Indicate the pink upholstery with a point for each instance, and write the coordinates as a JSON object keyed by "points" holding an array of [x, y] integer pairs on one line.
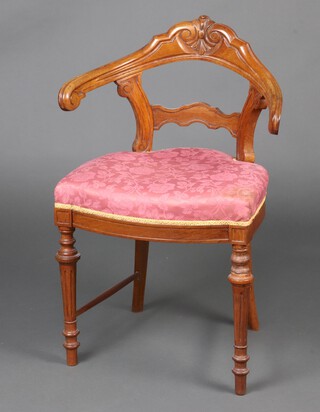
{"points": [[172, 184]]}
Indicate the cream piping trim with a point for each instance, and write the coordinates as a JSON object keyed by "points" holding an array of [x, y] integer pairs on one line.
{"points": [[160, 222]]}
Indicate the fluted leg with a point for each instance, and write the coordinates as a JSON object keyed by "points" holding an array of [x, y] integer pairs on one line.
{"points": [[67, 257], [140, 268], [253, 322], [241, 279]]}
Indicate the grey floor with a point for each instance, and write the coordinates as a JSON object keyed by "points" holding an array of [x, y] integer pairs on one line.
{"points": [[176, 355]]}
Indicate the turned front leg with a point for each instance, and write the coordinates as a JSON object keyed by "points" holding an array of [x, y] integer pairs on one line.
{"points": [[241, 279], [67, 257]]}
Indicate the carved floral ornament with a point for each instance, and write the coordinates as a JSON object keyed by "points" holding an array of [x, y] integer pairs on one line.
{"points": [[201, 37]]}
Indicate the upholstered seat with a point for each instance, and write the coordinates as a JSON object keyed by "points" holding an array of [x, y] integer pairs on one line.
{"points": [[182, 184]]}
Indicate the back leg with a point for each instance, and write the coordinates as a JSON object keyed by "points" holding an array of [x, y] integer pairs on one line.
{"points": [[140, 268]]}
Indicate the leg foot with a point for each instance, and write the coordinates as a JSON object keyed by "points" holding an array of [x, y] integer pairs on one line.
{"points": [[67, 257], [241, 280], [140, 268], [240, 357], [71, 343]]}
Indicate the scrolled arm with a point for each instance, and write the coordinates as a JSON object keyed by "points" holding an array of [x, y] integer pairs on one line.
{"points": [[273, 96], [73, 91], [275, 108], [241, 59], [69, 99]]}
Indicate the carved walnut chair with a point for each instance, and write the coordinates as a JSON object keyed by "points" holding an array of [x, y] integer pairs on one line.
{"points": [[185, 195]]}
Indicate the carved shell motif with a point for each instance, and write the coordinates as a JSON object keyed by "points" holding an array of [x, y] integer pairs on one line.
{"points": [[201, 38]]}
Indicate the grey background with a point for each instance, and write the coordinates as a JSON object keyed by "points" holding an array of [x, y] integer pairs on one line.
{"points": [[175, 356]]}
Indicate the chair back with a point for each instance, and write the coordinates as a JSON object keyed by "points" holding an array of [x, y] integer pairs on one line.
{"points": [[200, 39]]}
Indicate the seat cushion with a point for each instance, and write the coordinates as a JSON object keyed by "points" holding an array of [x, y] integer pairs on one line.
{"points": [[181, 184]]}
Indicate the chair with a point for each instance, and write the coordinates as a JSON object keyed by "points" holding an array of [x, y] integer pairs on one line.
{"points": [[184, 195]]}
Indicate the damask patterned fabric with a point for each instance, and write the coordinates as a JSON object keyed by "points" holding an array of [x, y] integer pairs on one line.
{"points": [[172, 184]]}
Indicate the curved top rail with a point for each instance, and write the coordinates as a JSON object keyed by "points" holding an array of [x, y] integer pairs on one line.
{"points": [[200, 39]]}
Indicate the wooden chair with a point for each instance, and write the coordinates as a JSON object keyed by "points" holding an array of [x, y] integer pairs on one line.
{"points": [[174, 195]]}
